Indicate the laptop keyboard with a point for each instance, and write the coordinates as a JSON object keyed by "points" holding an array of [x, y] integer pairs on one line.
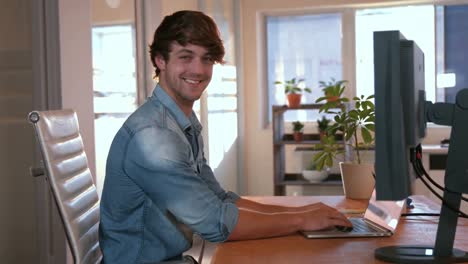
{"points": [[359, 225]]}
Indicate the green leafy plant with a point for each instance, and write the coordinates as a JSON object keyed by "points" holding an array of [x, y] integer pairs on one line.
{"points": [[329, 150], [298, 126], [292, 86], [356, 124], [333, 91], [311, 165], [323, 123]]}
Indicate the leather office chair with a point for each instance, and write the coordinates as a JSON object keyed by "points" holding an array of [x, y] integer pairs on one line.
{"points": [[70, 180]]}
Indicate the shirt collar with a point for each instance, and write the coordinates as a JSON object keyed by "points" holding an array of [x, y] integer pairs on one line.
{"points": [[179, 116]]}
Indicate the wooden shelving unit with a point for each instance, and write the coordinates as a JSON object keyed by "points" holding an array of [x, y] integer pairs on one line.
{"points": [[281, 139]]}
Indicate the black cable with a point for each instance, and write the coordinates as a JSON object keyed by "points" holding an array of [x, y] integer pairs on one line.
{"points": [[416, 155], [419, 214], [420, 172], [426, 184], [426, 214], [460, 213], [435, 183], [428, 177]]}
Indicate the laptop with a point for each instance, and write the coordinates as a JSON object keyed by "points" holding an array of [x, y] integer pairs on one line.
{"points": [[380, 219]]}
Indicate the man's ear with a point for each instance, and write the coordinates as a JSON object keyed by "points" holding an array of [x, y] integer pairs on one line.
{"points": [[160, 62]]}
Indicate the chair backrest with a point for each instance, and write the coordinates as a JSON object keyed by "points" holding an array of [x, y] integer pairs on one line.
{"points": [[70, 180]]}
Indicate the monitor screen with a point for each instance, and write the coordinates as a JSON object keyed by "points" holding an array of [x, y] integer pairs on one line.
{"points": [[399, 112]]}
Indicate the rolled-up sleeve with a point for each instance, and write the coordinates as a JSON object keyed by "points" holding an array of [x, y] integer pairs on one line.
{"points": [[208, 176], [159, 162], [230, 216]]}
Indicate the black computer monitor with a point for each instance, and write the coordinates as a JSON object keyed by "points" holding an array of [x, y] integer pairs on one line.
{"points": [[399, 111], [401, 115]]}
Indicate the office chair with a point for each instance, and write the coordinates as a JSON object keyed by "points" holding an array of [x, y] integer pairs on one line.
{"points": [[70, 181]]}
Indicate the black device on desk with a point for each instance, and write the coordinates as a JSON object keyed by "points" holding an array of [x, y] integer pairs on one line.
{"points": [[445, 142], [401, 115]]}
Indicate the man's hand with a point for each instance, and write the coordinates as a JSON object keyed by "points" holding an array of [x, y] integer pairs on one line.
{"points": [[321, 216], [261, 220]]}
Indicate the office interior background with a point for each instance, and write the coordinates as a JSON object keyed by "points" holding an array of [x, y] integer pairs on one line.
{"points": [[91, 55]]}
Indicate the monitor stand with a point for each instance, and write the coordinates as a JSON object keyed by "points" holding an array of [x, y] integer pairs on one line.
{"points": [[456, 180], [418, 254], [442, 252]]}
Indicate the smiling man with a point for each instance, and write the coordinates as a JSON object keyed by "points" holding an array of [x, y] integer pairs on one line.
{"points": [[159, 189]]}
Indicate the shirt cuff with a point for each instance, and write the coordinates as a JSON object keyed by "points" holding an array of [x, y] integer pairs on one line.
{"points": [[230, 217]]}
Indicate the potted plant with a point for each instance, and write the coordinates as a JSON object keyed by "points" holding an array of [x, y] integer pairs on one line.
{"points": [[333, 91], [293, 91], [323, 126], [311, 174], [298, 130], [358, 126]]}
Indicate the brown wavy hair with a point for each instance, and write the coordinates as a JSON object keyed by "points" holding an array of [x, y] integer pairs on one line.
{"points": [[186, 27]]}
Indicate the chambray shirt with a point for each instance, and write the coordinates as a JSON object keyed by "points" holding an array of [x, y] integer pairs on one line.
{"points": [[159, 189]]}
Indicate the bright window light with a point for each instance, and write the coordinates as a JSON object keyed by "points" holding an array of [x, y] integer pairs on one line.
{"points": [[446, 80], [414, 22]]}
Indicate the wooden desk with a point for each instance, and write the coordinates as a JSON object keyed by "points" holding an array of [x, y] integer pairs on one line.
{"points": [[296, 249]]}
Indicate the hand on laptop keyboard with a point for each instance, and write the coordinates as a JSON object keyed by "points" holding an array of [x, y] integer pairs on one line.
{"points": [[344, 228]]}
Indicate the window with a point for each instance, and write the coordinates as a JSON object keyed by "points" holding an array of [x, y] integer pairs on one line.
{"points": [[115, 90], [439, 32], [414, 22], [114, 69], [308, 47], [221, 105], [452, 57]]}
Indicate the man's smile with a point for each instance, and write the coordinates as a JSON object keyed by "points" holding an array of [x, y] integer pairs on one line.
{"points": [[191, 81]]}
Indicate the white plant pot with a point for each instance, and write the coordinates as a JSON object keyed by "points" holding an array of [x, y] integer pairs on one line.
{"points": [[358, 180], [314, 175]]}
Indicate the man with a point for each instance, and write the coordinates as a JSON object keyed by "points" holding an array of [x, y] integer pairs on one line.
{"points": [[159, 190]]}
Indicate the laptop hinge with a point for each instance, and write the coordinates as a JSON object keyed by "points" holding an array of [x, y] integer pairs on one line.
{"points": [[377, 226]]}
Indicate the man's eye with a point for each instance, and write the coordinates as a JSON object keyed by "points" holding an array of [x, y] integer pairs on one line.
{"points": [[185, 57], [209, 60]]}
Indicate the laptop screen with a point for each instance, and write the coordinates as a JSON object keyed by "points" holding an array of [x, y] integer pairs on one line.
{"points": [[384, 213]]}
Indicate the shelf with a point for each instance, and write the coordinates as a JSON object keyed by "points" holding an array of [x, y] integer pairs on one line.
{"points": [[315, 148], [282, 108], [296, 179], [307, 139], [292, 142], [281, 139]]}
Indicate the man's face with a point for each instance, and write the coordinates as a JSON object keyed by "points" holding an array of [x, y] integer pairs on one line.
{"points": [[186, 74]]}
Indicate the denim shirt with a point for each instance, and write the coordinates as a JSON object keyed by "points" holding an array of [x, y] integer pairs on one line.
{"points": [[158, 190]]}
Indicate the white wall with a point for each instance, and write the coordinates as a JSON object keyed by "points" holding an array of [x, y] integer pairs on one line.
{"points": [[17, 236], [19, 201], [76, 68], [103, 14]]}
